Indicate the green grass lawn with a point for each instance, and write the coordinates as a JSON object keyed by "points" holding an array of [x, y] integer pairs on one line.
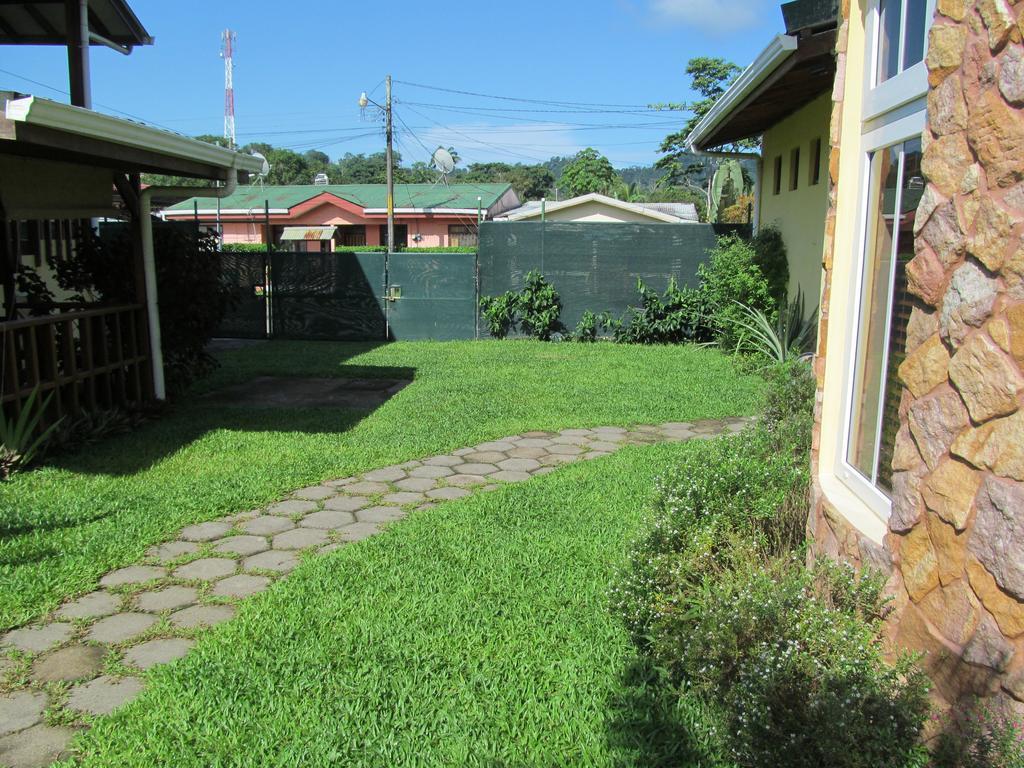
{"points": [[476, 633], [65, 525]]}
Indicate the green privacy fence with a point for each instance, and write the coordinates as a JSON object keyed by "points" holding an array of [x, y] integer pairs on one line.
{"points": [[372, 296], [594, 265]]}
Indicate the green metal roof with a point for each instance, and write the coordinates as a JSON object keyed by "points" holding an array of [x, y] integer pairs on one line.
{"points": [[363, 195]]}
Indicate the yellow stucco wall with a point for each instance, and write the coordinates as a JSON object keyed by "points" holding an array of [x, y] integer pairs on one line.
{"points": [[799, 214]]}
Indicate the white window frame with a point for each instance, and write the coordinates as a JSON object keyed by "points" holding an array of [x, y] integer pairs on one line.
{"points": [[899, 89], [895, 132]]}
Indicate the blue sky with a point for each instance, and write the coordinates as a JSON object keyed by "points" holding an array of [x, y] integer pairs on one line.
{"points": [[300, 66]]}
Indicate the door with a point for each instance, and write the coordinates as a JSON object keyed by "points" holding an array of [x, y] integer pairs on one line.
{"points": [[431, 295]]}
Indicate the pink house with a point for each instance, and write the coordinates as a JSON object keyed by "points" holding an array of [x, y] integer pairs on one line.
{"points": [[326, 217]]}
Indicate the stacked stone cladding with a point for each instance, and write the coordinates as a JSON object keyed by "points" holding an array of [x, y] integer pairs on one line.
{"points": [[955, 548]]}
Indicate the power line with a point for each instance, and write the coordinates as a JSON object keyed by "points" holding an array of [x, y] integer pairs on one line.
{"points": [[557, 103], [478, 141], [520, 118], [546, 110]]}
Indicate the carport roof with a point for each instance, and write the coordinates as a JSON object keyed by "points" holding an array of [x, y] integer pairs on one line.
{"points": [[44, 22]]}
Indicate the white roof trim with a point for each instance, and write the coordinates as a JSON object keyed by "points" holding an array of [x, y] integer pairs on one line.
{"points": [[779, 49], [435, 211], [84, 122], [535, 213]]}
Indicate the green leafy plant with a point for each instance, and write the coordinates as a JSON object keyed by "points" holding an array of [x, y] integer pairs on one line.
{"points": [[73, 434], [20, 438], [789, 337], [770, 257], [678, 315], [978, 736], [536, 309], [731, 278], [591, 326]]}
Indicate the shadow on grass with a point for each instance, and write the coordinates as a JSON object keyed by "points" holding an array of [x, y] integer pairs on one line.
{"points": [[652, 724]]}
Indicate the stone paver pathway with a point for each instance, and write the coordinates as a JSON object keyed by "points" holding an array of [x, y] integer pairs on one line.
{"points": [[86, 659]]}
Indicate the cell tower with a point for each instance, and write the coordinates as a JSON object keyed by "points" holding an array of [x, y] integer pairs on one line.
{"points": [[227, 46]]}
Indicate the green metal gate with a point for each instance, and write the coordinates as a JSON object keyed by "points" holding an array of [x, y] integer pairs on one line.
{"points": [[431, 295]]}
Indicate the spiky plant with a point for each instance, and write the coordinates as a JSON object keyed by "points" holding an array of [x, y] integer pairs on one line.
{"points": [[20, 440]]}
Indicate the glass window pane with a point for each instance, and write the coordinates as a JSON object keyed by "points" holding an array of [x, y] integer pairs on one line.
{"points": [[872, 341], [899, 312], [914, 32], [888, 38]]}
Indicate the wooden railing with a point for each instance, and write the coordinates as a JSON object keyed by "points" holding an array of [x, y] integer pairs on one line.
{"points": [[83, 360]]}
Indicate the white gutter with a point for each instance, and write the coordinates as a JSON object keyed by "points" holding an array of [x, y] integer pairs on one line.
{"points": [[433, 211], [779, 49], [84, 122], [170, 213]]}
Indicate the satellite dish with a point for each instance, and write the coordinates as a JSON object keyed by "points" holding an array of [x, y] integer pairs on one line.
{"points": [[265, 170], [321, 180], [443, 161]]}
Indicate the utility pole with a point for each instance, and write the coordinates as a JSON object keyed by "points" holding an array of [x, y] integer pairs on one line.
{"points": [[389, 157], [227, 52]]}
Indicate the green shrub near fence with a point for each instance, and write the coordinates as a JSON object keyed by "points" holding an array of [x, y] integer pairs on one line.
{"points": [[262, 248]]}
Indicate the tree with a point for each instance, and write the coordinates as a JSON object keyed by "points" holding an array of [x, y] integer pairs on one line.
{"points": [[710, 77], [589, 171], [530, 182]]}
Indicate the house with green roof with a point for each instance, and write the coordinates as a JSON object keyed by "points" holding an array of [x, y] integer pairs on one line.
{"points": [[313, 217]]}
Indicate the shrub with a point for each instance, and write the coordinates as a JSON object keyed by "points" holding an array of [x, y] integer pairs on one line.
{"points": [[770, 257], [980, 737], [21, 439], [730, 278], [791, 336], [679, 315], [536, 309]]}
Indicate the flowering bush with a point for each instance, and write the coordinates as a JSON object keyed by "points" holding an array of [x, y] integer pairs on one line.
{"points": [[980, 738]]}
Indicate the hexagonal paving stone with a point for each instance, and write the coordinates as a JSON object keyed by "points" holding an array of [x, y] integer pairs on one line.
{"points": [[578, 432], [204, 531], [416, 484], [76, 662], [484, 457], [347, 503], [536, 433], [568, 440], [602, 445], [241, 545], [443, 461], [326, 549], [379, 514], [462, 451], [565, 450], [430, 472], [555, 459], [609, 430], [340, 482], [527, 453], [543, 471], [509, 476], [167, 599], [410, 464], [386, 475], [36, 747], [611, 437], [104, 694], [462, 481], [204, 615], [162, 651], [595, 455], [90, 606], [519, 465], [38, 638], [314, 492], [120, 627], [328, 519], [478, 469], [20, 709], [267, 525], [358, 531], [133, 574], [242, 585], [292, 507], [367, 488], [278, 561], [403, 497], [300, 538], [206, 569], [495, 445], [447, 494], [172, 550], [533, 442], [428, 505]]}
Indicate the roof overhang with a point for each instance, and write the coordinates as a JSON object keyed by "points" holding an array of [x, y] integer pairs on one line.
{"points": [[595, 197], [35, 127], [788, 74], [44, 22]]}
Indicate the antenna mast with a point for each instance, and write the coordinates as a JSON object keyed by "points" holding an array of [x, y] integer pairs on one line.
{"points": [[227, 45]]}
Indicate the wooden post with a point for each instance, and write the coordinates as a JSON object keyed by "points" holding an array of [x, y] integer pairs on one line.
{"points": [[77, 19]]}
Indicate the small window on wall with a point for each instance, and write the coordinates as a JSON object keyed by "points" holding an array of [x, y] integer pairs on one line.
{"points": [[777, 175], [814, 163], [463, 235], [794, 168], [895, 187], [902, 26]]}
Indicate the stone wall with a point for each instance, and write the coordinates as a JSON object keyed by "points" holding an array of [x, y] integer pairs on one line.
{"points": [[956, 538]]}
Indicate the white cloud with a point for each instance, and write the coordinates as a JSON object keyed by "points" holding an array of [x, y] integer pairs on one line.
{"points": [[711, 15]]}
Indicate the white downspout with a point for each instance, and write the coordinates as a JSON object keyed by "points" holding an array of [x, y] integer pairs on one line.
{"points": [[149, 265]]}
